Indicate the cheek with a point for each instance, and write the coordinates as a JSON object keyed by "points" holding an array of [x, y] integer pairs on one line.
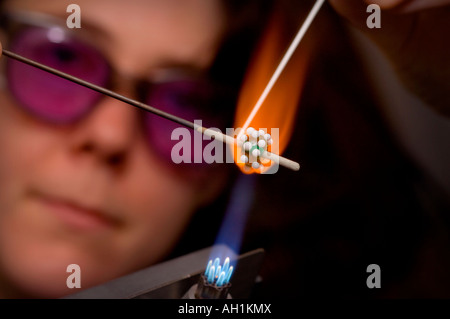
{"points": [[21, 150], [159, 204]]}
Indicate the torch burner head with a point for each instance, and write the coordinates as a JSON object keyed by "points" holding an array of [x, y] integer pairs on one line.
{"points": [[206, 290]]}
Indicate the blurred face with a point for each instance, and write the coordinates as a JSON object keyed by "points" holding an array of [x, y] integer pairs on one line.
{"points": [[93, 192]]}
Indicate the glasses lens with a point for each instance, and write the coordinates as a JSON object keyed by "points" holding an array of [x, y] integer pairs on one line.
{"points": [[48, 96], [189, 99]]}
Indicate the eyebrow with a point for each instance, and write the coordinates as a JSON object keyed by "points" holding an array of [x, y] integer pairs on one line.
{"points": [[42, 19], [170, 69]]}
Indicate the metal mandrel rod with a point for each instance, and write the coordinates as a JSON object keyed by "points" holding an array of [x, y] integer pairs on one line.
{"points": [[220, 136], [99, 89]]}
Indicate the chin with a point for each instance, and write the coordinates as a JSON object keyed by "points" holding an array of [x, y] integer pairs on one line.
{"points": [[40, 269], [48, 280]]}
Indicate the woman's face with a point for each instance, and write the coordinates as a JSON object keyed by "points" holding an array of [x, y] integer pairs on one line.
{"points": [[94, 193]]}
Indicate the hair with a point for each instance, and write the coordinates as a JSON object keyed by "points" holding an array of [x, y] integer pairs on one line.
{"points": [[355, 202], [247, 20]]}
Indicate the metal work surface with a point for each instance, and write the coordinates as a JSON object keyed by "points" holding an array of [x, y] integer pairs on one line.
{"points": [[173, 278]]}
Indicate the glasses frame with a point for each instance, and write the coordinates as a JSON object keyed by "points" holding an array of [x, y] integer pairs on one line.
{"points": [[15, 22]]}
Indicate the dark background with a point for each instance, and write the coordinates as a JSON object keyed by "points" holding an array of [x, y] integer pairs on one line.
{"points": [[358, 199]]}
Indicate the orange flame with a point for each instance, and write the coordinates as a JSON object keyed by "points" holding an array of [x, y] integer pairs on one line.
{"points": [[279, 109]]}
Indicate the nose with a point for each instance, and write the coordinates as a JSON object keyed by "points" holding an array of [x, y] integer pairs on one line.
{"points": [[108, 133]]}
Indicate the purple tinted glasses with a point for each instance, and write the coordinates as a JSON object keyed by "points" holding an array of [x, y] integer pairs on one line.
{"points": [[59, 101]]}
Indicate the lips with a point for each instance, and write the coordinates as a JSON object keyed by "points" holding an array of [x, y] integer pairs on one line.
{"points": [[75, 214]]}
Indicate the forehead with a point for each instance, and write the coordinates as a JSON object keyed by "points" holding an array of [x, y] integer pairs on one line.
{"points": [[156, 31]]}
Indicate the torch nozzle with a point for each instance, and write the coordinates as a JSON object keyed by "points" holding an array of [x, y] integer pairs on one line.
{"points": [[218, 275], [214, 283]]}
